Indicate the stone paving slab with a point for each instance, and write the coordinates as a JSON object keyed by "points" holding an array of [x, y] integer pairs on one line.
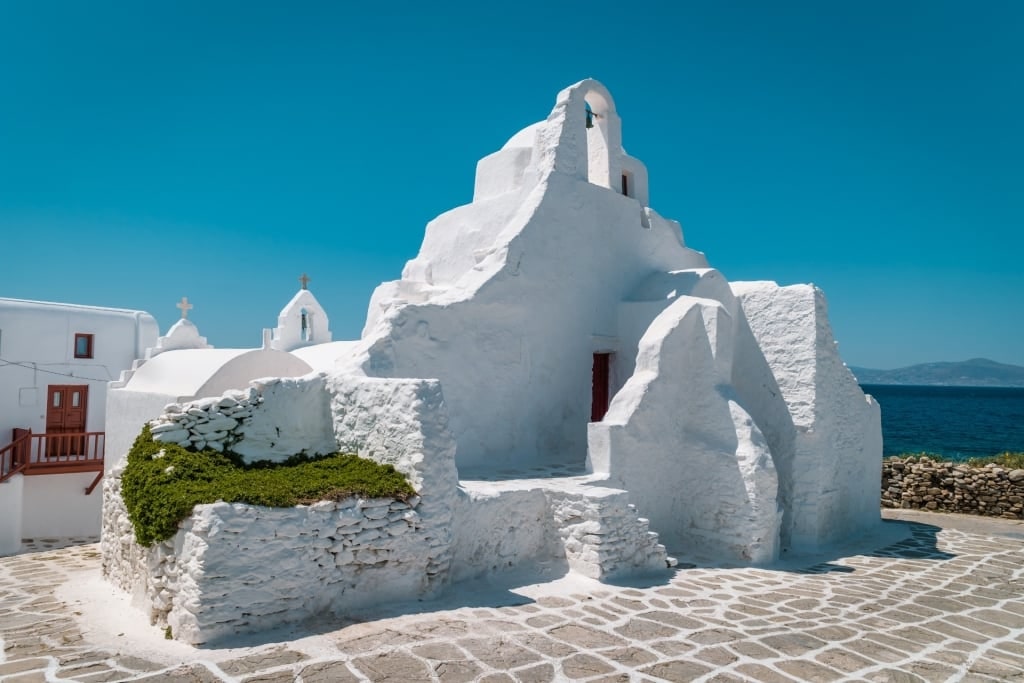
{"points": [[945, 603]]}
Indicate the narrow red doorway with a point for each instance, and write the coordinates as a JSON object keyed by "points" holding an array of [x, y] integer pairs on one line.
{"points": [[599, 386]]}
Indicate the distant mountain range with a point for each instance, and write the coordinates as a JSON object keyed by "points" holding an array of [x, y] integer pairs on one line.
{"points": [[977, 372]]}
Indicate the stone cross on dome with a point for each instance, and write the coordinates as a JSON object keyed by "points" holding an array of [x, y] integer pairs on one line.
{"points": [[185, 307], [304, 280]]}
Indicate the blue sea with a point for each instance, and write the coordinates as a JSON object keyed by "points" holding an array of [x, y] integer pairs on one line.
{"points": [[955, 422]]}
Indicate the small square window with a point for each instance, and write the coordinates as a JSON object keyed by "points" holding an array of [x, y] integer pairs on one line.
{"points": [[83, 345]]}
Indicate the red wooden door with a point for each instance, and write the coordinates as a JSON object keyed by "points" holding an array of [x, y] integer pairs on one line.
{"points": [[599, 395], [66, 410]]}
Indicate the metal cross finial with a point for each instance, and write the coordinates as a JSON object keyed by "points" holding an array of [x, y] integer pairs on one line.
{"points": [[185, 307], [304, 280]]}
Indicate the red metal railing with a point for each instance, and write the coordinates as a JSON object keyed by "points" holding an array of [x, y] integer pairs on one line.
{"points": [[32, 454]]}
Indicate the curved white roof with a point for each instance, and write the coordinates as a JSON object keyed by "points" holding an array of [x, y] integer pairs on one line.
{"points": [[322, 357], [189, 373]]}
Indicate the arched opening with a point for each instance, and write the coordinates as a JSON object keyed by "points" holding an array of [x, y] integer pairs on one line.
{"points": [[596, 109], [305, 326]]}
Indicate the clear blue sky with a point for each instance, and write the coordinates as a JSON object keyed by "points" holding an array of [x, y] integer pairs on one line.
{"points": [[150, 150]]}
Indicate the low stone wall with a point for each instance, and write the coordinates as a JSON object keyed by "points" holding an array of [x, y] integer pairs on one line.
{"points": [[208, 422], [273, 419], [234, 568], [551, 525], [921, 483]]}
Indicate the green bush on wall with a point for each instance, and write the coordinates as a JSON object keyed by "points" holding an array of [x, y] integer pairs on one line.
{"points": [[1007, 459], [162, 483], [1011, 461]]}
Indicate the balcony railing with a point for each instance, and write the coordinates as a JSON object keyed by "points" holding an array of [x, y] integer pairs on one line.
{"points": [[32, 454]]}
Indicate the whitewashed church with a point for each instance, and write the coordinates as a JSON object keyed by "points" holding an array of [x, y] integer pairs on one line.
{"points": [[568, 385], [182, 366]]}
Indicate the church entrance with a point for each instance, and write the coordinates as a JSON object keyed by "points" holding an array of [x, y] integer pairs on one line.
{"points": [[599, 386], [66, 406]]}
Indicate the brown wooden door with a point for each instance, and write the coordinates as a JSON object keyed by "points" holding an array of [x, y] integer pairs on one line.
{"points": [[66, 411]]}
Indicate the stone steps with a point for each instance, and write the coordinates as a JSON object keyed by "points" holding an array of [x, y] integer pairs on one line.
{"points": [[604, 536]]}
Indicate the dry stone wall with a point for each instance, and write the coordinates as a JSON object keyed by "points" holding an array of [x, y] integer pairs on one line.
{"points": [[921, 483], [236, 568], [213, 422], [273, 419]]}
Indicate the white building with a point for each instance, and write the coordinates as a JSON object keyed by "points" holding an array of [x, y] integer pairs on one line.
{"points": [[55, 362], [565, 381]]}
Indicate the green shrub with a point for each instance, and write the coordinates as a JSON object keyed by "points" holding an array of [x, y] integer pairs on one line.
{"points": [[1011, 461], [161, 483]]}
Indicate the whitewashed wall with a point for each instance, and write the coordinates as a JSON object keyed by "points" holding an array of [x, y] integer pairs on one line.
{"points": [[55, 506], [835, 467], [404, 423], [43, 333], [239, 568], [549, 262], [129, 411], [499, 528], [274, 419], [678, 439], [235, 568], [514, 287], [548, 526], [11, 492]]}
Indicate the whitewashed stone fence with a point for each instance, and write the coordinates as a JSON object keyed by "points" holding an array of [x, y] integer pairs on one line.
{"points": [[921, 483], [208, 422], [236, 568], [274, 419]]}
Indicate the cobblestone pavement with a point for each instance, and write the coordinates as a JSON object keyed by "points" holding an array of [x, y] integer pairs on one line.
{"points": [[940, 605]]}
